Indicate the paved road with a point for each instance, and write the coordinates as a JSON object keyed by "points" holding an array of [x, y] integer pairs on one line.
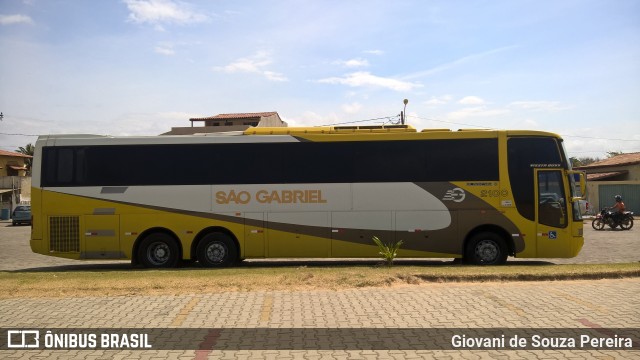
{"points": [[584, 307]]}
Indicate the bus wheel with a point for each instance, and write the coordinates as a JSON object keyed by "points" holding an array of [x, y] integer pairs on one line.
{"points": [[158, 250], [486, 248], [217, 250]]}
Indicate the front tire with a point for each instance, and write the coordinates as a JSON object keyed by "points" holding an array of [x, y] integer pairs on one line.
{"points": [[217, 250], [486, 248], [597, 224], [158, 250]]}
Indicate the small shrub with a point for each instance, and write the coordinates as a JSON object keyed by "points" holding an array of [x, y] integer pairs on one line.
{"points": [[389, 251]]}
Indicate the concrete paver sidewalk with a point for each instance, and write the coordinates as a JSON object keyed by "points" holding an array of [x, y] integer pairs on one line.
{"points": [[570, 304]]}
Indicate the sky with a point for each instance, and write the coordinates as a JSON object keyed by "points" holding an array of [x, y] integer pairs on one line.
{"points": [[140, 67]]}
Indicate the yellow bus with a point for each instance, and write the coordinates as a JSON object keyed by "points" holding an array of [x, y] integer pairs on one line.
{"points": [[318, 192]]}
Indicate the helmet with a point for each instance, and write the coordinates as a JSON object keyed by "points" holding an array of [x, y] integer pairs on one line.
{"points": [[618, 198]]}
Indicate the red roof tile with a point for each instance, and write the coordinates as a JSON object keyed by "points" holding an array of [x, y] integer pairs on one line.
{"points": [[623, 159], [18, 167], [235, 116], [14, 154], [605, 175]]}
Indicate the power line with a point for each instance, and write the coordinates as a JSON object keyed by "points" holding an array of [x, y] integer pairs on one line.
{"points": [[596, 151], [451, 122], [395, 118], [387, 118], [598, 138], [1, 133]]}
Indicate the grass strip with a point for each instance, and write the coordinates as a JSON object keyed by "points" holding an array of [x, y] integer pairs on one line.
{"points": [[19, 284]]}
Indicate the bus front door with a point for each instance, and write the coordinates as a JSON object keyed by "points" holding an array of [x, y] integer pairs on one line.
{"points": [[552, 233]]}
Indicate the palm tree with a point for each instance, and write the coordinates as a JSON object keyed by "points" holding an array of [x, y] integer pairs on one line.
{"points": [[27, 150]]}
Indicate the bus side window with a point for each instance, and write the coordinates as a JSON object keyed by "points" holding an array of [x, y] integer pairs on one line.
{"points": [[65, 166]]}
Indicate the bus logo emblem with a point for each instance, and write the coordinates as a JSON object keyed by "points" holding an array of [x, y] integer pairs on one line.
{"points": [[455, 195]]}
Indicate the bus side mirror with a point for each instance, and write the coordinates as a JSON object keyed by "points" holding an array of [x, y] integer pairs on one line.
{"points": [[579, 179]]}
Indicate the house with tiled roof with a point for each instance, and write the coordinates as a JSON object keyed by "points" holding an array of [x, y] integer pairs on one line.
{"points": [[13, 163], [617, 175], [15, 184], [229, 122]]}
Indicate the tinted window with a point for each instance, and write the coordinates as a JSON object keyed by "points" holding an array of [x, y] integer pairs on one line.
{"points": [[65, 165], [552, 207], [272, 163], [524, 155]]}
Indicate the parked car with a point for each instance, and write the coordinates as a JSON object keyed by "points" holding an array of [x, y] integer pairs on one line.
{"points": [[21, 215], [585, 207]]}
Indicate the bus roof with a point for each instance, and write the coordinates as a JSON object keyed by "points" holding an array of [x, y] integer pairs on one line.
{"points": [[330, 130], [287, 134], [380, 129]]}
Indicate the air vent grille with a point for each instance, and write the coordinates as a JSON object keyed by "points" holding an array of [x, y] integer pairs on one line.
{"points": [[64, 233]]}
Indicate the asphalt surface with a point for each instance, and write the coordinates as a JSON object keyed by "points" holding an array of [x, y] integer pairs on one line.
{"points": [[410, 321]]}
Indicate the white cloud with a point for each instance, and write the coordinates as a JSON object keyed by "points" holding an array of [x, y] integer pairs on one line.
{"points": [[439, 100], [471, 100], [253, 64], [541, 105], [15, 19], [310, 118], [459, 62], [352, 108], [363, 78], [479, 111], [354, 63], [162, 11], [131, 124], [274, 76], [374, 52], [165, 50], [248, 64]]}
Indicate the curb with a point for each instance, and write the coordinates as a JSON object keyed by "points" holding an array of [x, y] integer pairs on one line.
{"points": [[526, 277]]}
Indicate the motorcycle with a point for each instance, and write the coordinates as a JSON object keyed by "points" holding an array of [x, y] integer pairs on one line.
{"points": [[607, 217]]}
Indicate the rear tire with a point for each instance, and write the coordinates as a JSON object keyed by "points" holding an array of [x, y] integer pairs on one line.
{"points": [[627, 223], [486, 248], [158, 250], [217, 250]]}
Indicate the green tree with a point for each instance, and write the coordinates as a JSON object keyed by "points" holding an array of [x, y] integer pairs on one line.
{"points": [[583, 161], [27, 150], [611, 154]]}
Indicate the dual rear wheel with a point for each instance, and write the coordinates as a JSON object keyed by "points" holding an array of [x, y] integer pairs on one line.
{"points": [[216, 250], [160, 250]]}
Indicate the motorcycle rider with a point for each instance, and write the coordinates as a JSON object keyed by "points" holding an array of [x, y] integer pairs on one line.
{"points": [[618, 208]]}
